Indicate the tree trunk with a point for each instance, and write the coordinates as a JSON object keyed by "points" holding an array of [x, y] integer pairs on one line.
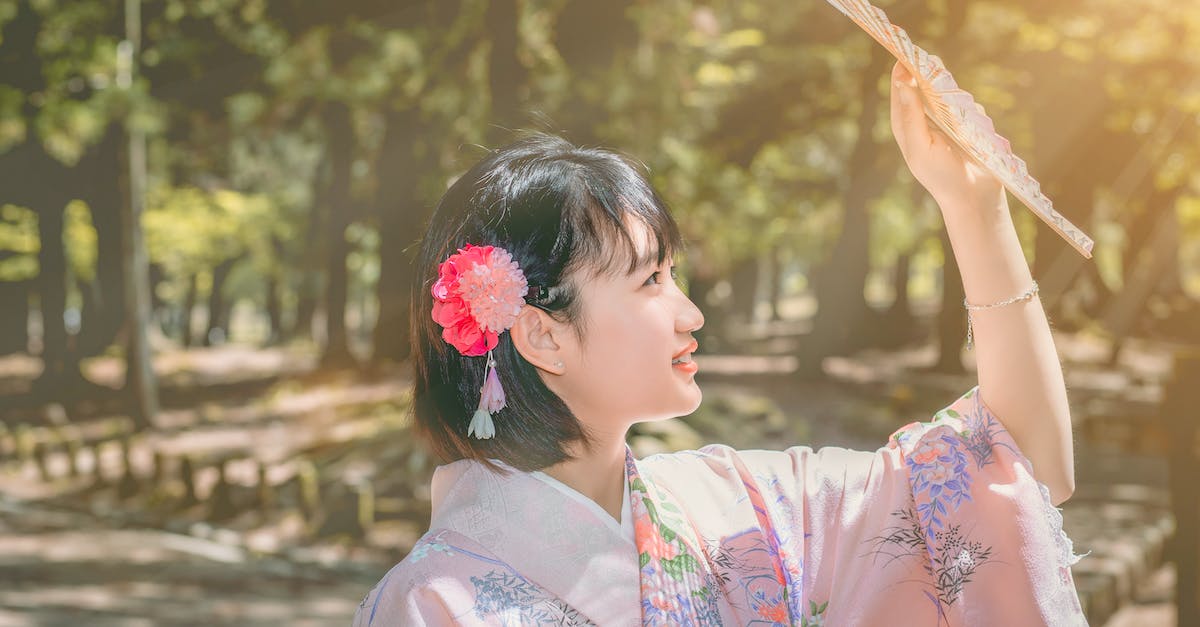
{"points": [[306, 308], [274, 309], [843, 314], [60, 364], [159, 308], [506, 75], [1121, 317], [745, 290], [14, 317], [899, 321], [340, 146], [399, 206], [589, 36], [775, 284], [308, 285], [141, 386], [102, 172], [952, 321], [715, 317], [185, 316], [218, 322]]}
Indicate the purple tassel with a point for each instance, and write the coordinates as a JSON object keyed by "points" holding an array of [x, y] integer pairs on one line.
{"points": [[493, 394], [491, 401]]}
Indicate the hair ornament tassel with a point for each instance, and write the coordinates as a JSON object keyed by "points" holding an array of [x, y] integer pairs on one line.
{"points": [[491, 400]]}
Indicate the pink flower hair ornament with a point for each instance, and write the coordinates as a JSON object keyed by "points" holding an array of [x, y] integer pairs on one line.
{"points": [[478, 294]]}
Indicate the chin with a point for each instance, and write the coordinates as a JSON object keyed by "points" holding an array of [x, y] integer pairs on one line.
{"points": [[696, 405], [689, 408], [669, 416]]}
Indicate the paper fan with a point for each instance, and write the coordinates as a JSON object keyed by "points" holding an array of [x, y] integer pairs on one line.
{"points": [[962, 119]]}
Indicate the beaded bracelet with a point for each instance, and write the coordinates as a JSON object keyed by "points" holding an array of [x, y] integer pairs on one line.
{"points": [[1028, 295]]}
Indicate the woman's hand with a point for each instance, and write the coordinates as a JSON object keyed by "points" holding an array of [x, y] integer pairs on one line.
{"points": [[954, 180]]}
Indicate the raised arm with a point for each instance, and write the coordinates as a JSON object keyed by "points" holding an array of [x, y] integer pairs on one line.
{"points": [[1020, 377]]}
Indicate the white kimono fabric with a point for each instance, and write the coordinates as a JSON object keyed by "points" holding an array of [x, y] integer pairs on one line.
{"points": [[943, 526]]}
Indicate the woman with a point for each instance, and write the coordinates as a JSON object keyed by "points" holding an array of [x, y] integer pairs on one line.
{"points": [[544, 515]]}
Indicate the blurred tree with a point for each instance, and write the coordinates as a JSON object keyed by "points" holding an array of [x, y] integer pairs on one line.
{"points": [[297, 149], [36, 169], [18, 270], [431, 106]]}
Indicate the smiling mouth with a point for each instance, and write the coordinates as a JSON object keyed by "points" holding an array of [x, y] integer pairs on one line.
{"points": [[685, 364]]}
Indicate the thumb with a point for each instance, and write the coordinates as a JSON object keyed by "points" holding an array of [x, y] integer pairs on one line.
{"points": [[908, 114]]}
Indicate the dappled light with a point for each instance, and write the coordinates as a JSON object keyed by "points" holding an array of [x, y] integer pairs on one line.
{"points": [[211, 212]]}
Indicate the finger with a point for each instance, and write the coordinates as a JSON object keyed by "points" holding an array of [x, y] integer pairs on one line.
{"points": [[908, 115], [938, 141]]}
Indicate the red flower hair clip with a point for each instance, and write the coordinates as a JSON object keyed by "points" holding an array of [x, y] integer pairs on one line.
{"points": [[479, 293]]}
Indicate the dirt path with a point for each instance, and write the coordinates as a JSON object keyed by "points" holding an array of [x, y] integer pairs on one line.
{"points": [[61, 564], [69, 569]]}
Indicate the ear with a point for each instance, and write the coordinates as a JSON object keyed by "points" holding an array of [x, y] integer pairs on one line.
{"points": [[538, 338]]}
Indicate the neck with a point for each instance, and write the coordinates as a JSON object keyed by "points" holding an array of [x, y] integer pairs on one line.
{"points": [[598, 474]]}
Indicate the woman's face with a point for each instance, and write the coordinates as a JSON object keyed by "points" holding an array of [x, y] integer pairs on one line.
{"points": [[635, 325]]}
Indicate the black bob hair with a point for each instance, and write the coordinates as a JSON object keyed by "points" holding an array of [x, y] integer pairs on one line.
{"points": [[560, 210]]}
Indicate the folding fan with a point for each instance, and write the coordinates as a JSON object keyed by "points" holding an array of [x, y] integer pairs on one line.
{"points": [[957, 114]]}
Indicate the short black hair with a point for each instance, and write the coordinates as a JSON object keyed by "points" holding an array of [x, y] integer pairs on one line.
{"points": [[558, 209]]}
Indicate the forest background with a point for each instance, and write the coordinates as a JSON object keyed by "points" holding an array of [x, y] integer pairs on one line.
{"points": [[211, 203]]}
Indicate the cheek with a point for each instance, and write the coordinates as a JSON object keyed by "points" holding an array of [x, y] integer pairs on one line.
{"points": [[629, 344]]}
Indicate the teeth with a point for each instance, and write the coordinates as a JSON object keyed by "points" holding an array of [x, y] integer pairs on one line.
{"points": [[681, 360]]}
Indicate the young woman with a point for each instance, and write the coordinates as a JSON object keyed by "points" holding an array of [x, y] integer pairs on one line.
{"points": [[546, 323]]}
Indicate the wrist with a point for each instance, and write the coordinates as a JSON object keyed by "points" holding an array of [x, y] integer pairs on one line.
{"points": [[990, 258], [986, 207]]}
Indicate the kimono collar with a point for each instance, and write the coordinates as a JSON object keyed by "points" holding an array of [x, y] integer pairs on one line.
{"points": [[677, 584], [543, 534], [558, 543]]}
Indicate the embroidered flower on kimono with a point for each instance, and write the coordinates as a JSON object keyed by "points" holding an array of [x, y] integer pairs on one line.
{"points": [[422, 549], [964, 560], [637, 507], [793, 567], [644, 531], [937, 474], [930, 450], [654, 544], [776, 613], [662, 601]]}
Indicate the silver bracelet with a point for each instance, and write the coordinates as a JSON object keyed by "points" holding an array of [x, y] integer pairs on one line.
{"points": [[1028, 295]]}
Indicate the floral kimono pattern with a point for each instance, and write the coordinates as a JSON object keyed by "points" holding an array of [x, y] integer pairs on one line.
{"points": [[945, 525]]}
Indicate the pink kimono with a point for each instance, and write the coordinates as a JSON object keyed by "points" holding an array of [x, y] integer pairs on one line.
{"points": [[944, 526]]}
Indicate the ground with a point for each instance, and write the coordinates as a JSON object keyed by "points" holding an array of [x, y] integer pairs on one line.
{"points": [[73, 551]]}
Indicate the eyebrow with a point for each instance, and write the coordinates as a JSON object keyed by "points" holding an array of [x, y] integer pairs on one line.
{"points": [[648, 261]]}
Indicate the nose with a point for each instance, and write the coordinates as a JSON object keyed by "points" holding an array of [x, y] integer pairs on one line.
{"points": [[690, 317]]}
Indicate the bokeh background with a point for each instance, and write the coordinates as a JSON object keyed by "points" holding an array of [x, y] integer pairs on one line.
{"points": [[208, 211]]}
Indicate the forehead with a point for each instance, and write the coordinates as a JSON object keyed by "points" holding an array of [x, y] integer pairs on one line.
{"points": [[645, 248], [617, 251], [644, 245], [626, 247]]}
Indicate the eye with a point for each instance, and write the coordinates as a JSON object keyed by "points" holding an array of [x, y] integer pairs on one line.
{"points": [[654, 277]]}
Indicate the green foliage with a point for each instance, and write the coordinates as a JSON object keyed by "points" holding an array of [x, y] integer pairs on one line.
{"points": [[19, 243], [79, 238], [189, 230], [746, 114]]}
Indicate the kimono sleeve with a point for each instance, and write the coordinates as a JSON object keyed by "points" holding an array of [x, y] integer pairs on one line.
{"points": [[945, 525], [407, 596]]}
